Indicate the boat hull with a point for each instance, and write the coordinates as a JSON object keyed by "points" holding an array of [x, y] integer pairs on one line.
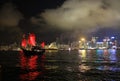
{"points": [[33, 52]]}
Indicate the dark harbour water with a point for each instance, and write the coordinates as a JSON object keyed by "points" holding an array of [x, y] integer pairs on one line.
{"points": [[78, 65]]}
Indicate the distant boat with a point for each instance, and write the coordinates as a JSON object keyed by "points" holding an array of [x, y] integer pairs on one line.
{"points": [[29, 47]]}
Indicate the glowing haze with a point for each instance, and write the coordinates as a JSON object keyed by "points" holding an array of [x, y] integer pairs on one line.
{"points": [[84, 14]]}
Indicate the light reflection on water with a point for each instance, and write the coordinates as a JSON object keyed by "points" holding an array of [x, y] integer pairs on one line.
{"points": [[83, 65], [77, 65], [104, 60], [30, 68]]}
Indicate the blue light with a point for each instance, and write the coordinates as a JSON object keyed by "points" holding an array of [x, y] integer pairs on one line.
{"points": [[112, 37]]}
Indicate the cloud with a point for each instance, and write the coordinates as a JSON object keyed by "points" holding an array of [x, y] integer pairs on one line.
{"points": [[84, 14], [9, 15], [9, 24]]}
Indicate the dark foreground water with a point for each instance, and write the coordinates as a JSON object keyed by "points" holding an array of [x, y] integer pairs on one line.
{"points": [[79, 65]]}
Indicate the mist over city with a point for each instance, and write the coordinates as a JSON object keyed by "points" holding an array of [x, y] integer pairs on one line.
{"points": [[73, 18]]}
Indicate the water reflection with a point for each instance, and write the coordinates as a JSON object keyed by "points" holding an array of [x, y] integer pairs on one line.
{"points": [[98, 55], [110, 58], [82, 55], [98, 59], [113, 55], [107, 55], [84, 68], [85, 65], [31, 69]]}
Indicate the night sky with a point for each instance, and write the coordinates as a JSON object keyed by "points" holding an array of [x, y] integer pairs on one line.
{"points": [[65, 19]]}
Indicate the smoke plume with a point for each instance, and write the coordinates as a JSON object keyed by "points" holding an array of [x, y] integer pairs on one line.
{"points": [[87, 15]]}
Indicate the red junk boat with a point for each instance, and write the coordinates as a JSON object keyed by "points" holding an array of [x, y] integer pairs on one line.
{"points": [[29, 47]]}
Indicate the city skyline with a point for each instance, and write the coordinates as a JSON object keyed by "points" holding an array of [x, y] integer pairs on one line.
{"points": [[50, 19]]}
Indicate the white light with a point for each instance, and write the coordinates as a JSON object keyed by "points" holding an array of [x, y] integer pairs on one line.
{"points": [[112, 37]]}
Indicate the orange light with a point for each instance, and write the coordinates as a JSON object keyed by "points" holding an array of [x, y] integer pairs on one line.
{"points": [[82, 39]]}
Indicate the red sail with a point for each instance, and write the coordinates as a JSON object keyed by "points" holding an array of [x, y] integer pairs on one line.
{"points": [[24, 42], [43, 44], [31, 39]]}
